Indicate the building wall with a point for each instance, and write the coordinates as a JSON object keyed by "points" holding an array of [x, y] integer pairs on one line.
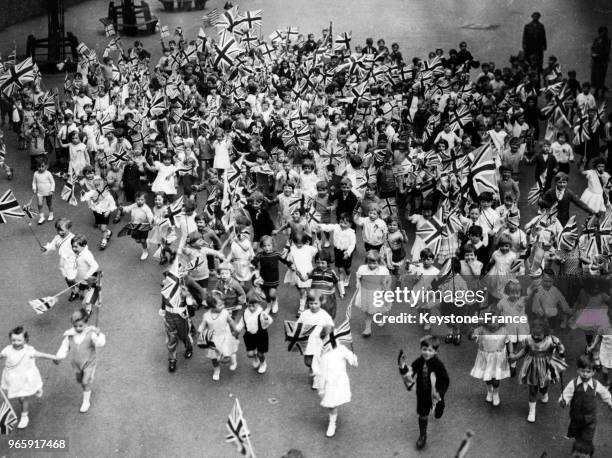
{"points": [[14, 11]]}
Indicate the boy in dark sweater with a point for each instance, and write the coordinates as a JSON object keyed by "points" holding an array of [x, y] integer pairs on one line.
{"points": [[432, 382]]}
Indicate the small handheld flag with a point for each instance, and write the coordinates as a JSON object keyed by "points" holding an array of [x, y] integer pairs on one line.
{"points": [[9, 207], [8, 418], [43, 304], [238, 431]]}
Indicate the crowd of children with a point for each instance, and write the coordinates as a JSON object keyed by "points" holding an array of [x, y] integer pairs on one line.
{"points": [[305, 152]]}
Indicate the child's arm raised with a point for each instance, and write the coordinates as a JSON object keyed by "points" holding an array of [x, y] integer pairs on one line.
{"points": [[38, 354]]}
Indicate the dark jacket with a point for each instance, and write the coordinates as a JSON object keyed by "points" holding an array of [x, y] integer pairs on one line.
{"points": [[534, 38], [550, 198]]}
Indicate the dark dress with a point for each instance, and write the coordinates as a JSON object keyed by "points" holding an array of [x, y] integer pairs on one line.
{"points": [[423, 369]]}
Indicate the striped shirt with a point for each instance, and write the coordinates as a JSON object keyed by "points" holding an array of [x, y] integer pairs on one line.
{"points": [[324, 281]]}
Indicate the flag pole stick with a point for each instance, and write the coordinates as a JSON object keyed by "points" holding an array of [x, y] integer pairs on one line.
{"points": [[64, 290], [464, 445], [248, 436], [35, 236]]}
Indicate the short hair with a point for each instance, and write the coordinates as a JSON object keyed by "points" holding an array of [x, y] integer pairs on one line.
{"points": [[475, 231], [429, 341], [79, 315], [63, 223], [585, 362], [140, 194], [426, 253], [323, 256], [346, 216], [79, 240], [19, 330]]}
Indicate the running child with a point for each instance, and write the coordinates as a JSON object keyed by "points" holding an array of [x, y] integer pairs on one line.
{"points": [[43, 187], [62, 242], [255, 322], [141, 219], [344, 240]]}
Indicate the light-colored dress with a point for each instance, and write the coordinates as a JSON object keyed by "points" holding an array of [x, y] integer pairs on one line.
{"points": [[605, 349], [78, 159], [368, 282], [155, 234], [518, 332], [536, 369], [492, 358], [20, 377], [318, 319], [303, 259], [221, 335], [593, 194], [164, 181], [332, 380], [241, 254], [500, 273]]}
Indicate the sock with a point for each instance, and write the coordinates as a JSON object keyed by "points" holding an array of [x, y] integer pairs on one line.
{"points": [[86, 395], [333, 417], [423, 426]]}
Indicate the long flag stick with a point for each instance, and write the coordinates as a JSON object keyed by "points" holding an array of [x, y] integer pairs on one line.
{"points": [[248, 436], [63, 291], [35, 236], [465, 445]]}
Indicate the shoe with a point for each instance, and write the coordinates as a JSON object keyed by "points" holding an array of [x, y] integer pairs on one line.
{"points": [[544, 399], [275, 307], [489, 397], [262, 368], [216, 374], [496, 400], [346, 282], [532, 412], [41, 219], [331, 429], [327, 244], [50, 217], [448, 339], [172, 365], [188, 353], [9, 176], [85, 406], [24, 421], [255, 362], [73, 296], [457, 339], [144, 255], [234, 364], [366, 334], [420, 443], [439, 409]]}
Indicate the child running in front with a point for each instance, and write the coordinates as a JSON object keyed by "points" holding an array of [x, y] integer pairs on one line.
{"points": [[62, 242], [20, 377], [80, 344], [344, 240], [141, 219], [255, 322], [87, 268], [43, 187]]}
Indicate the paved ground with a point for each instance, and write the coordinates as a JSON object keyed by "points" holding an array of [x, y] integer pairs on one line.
{"points": [[139, 409]]}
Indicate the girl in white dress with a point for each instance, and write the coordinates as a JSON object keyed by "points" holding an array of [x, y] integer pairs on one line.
{"points": [[491, 363], [165, 180], [222, 147], [20, 377], [597, 179], [332, 381], [241, 255], [371, 277], [218, 328], [79, 158], [301, 256], [604, 353], [499, 268]]}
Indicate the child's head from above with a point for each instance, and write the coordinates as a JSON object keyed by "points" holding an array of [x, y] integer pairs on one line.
{"points": [[140, 198], [63, 226], [344, 220], [374, 212], [392, 223], [214, 301], [372, 259], [225, 271], [504, 244], [159, 200], [189, 207], [79, 319], [313, 301], [539, 330], [513, 290], [370, 190], [267, 243], [485, 199], [586, 367], [429, 346], [474, 212], [322, 188], [323, 259], [18, 337], [548, 279], [298, 239], [427, 257], [475, 234], [78, 242], [469, 253], [427, 208], [288, 188], [505, 173]]}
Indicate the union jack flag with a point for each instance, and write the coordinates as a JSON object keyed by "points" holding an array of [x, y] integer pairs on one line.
{"points": [[431, 232], [164, 31], [559, 106], [536, 190], [460, 118], [8, 418], [212, 17], [343, 41], [67, 194], [339, 334], [238, 431], [226, 52], [171, 287], [297, 335], [250, 20], [172, 211], [483, 171], [569, 235], [582, 128], [16, 77], [43, 304], [9, 207], [389, 207], [228, 20]]}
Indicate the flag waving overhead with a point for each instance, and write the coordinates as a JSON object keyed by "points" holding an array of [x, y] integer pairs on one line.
{"points": [[483, 171], [9, 207], [238, 431], [16, 77]]}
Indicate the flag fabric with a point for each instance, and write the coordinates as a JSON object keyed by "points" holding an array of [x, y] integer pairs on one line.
{"points": [[16, 77], [569, 235], [9, 207], [536, 191], [8, 417], [164, 31], [212, 17], [29, 212], [297, 335], [172, 210], [431, 232], [483, 171], [67, 194], [171, 286], [238, 431], [109, 30], [250, 20], [343, 41], [43, 304], [339, 334]]}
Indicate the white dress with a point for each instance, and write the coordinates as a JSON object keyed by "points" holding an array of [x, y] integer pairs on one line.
{"points": [[593, 194], [492, 359], [605, 349], [331, 379], [20, 377], [369, 281], [221, 335], [319, 319], [164, 181], [78, 159], [303, 259], [222, 155], [241, 253]]}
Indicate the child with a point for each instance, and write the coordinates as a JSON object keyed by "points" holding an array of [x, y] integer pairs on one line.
{"points": [[20, 377], [102, 204], [314, 316], [548, 302], [165, 179], [499, 268], [218, 322], [371, 277], [141, 221], [580, 394], [43, 186], [62, 242], [255, 322], [325, 280], [332, 380], [79, 158], [537, 372], [374, 229], [196, 279], [420, 221], [302, 257], [155, 234], [396, 238], [431, 384], [322, 208], [80, 343], [603, 340], [86, 268], [514, 304], [344, 240], [241, 255], [491, 363], [563, 153], [597, 179], [267, 261]]}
